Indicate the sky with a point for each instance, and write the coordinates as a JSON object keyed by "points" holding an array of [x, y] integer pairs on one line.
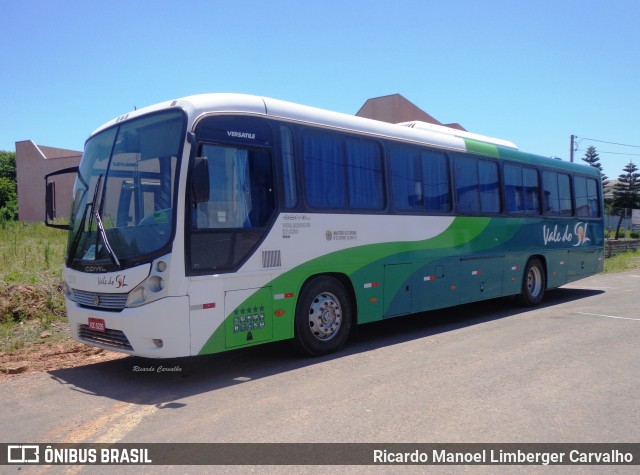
{"points": [[532, 72]]}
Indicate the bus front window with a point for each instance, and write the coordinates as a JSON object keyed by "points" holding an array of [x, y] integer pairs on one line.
{"points": [[124, 194]]}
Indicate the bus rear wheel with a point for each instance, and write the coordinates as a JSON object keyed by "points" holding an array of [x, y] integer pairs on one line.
{"points": [[534, 283], [323, 316]]}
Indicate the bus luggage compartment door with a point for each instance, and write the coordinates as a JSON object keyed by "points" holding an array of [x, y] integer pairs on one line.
{"points": [[397, 290], [583, 261], [480, 278]]}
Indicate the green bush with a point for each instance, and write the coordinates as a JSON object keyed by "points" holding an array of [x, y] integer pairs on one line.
{"points": [[8, 213]]}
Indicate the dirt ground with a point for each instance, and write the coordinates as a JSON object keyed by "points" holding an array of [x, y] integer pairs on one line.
{"points": [[51, 355]]}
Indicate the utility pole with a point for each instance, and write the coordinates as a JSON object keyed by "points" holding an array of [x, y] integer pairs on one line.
{"points": [[573, 137]]}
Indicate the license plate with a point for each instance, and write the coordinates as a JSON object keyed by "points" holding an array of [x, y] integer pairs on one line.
{"points": [[97, 324]]}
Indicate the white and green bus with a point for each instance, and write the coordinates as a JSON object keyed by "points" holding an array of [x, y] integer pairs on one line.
{"points": [[221, 221]]}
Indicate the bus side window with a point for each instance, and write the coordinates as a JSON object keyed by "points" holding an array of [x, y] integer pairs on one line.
{"points": [[364, 170], [557, 194], [324, 170], [586, 196], [419, 180], [435, 179], [406, 188], [477, 185], [522, 194]]}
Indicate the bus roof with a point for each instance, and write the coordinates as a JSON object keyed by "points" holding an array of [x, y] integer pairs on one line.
{"points": [[197, 106]]}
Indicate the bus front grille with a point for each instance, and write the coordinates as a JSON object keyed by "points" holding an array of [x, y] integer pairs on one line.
{"points": [[100, 300], [110, 337]]}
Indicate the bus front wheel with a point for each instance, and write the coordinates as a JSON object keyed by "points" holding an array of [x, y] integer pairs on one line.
{"points": [[534, 283], [323, 316]]}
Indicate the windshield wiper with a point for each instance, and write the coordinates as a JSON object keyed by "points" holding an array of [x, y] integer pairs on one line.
{"points": [[93, 201], [95, 213], [105, 240]]}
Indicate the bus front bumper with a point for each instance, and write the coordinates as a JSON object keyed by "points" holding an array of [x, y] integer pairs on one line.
{"points": [[159, 329]]}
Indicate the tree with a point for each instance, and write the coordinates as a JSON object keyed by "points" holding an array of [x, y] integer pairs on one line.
{"points": [[8, 186], [626, 193], [8, 165], [593, 159]]}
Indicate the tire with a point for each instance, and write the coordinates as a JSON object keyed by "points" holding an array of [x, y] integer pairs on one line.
{"points": [[323, 317], [534, 283]]}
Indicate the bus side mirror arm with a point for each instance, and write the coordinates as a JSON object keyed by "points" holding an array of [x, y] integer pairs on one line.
{"points": [[200, 180], [191, 138]]}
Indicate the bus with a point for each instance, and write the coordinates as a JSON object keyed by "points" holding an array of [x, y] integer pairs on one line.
{"points": [[222, 221]]}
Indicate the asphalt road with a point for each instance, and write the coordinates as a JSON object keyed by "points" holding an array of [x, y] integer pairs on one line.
{"points": [[567, 371]]}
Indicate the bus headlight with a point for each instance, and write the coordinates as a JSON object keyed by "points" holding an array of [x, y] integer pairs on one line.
{"points": [[155, 283], [137, 296], [152, 288], [149, 290], [68, 292]]}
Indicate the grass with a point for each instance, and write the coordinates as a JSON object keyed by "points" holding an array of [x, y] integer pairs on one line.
{"points": [[624, 261], [31, 253], [31, 297]]}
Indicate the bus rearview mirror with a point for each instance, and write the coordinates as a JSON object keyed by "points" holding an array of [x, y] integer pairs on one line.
{"points": [[50, 200], [200, 180], [58, 190]]}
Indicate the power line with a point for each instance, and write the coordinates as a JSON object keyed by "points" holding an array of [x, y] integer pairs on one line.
{"points": [[611, 143], [620, 153], [611, 153]]}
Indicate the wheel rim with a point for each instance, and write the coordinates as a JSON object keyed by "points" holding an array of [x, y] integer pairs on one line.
{"points": [[325, 316], [534, 281]]}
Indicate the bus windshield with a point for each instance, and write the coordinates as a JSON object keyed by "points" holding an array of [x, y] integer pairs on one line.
{"points": [[123, 197]]}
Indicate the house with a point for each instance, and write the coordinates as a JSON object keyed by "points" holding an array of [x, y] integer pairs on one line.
{"points": [[33, 162], [396, 109]]}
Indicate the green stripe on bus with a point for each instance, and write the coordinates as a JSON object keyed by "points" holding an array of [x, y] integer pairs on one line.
{"points": [[473, 146], [481, 233]]}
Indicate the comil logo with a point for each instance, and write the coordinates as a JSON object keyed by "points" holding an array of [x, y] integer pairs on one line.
{"points": [[23, 454]]}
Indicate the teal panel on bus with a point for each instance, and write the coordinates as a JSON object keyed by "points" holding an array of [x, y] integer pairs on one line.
{"points": [[435, 284], [480, 277], [397, 289]]}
